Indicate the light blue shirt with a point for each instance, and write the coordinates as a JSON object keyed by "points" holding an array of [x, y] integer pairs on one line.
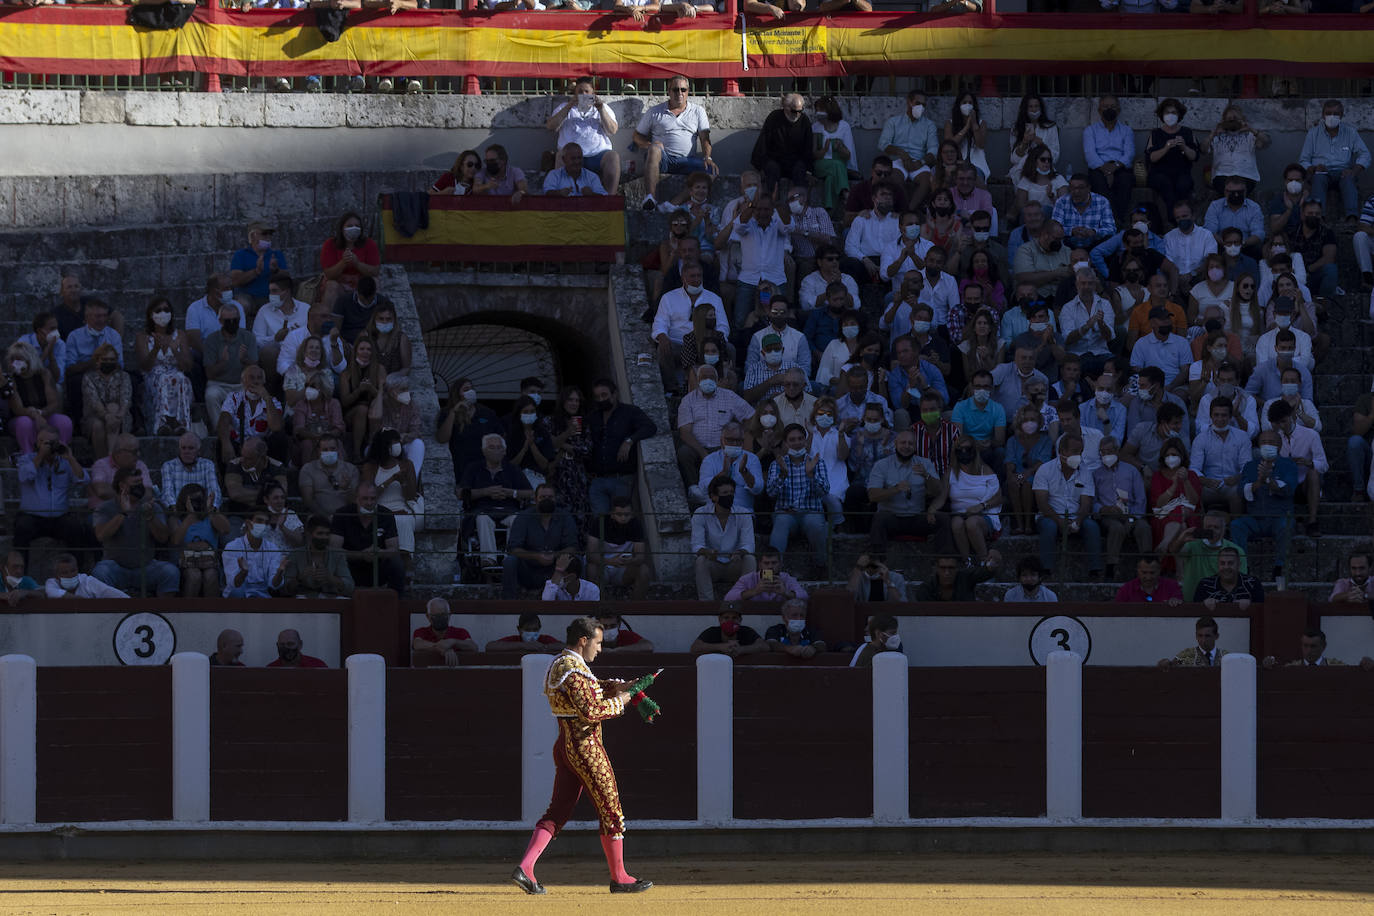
{"points": [[1265, 382], [979, 423], [897, 385], [1101, 144], [1015, 323], [1172, 356], [918, 138], [584, 184], [1342, 151], [1250, 219], [203, 317], [714, 463], [1215, 458], [1115, 424], [82, 344]]}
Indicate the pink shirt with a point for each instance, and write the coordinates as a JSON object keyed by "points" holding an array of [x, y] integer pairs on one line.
{"points": [[103, 471]]}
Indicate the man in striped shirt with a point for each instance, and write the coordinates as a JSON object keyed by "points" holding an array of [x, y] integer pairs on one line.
{"points": [[797, 483], [934, 435]]}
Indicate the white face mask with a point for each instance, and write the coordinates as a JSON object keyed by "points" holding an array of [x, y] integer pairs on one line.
{"points": [[850, 331], [12, 581], [1109, 460], [329, 459], [1081, 265], [226, 296], [1172, 461], [1033, 114], [1215, 274], [1039, 326], [1102, 397], [352, 232], [1269, 452], [873, 428], [768, 421], [610, 634], [796, 626], [981, 236], [693, 290], [893, 642], [403, 397], [1283, 321], [533, 636], [312, 394], [824, 421], [19, 366], [966, 109], [772, 357], [1231, 251], [1219, 353], [536, 397], [917, 111], [311, 362], [1279, 249], [1293, 187], [707, 386], [1170, 119], [1332, 121], [1072, 461], [912, 230], [798, 453], [470, 395], [69, 583], [385, 327], [54, 334], [920, 327], [162, 319], [395, 450], [1142, 226], [711, 359], [751, 191], [732, 451], [797, 207], [528, 419], [274, 301], [259, 529]]}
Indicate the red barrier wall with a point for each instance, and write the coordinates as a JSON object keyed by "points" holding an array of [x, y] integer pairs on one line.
{"points": [[104, 744], [278, 744], [977, 742], [1316, 741], [1151, 742]]}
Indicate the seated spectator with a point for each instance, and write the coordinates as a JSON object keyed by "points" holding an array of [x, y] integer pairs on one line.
{"points": [[1086, 216], [907, 492], [71, 305], [618, 550], [538, 535], [1148, 585], [67, 582], [1244, 410], [1314, 654], [566, 582], [767, 376], [282, 314], [1029, 587], [873, 233], [981, 348], [326, 483], [1150, 397], [316, 569], [673, 320], [1357, 588], [290, 654], [882, 637], [1267, 346], [871, 441], [396, 411], [1139, 323], [588, 122], [732, 460], [1010, 380], [722, 539], [1229, 585], [701, 417], [460, 178], [910, 378], [203, 315], [798, 484], [106, 398], [315, 415], [491, 490], [1064, 495], [970, 198], [391, 347], [123, 454], [254, 567], [197, 531], [347, 257], [1333, 153], [16, 585], [810, 228], [783, 147], [499, 178], [703, 339], [46, 476], [1164, 348], [822, 326], [308, 366], [440, 638], [730, 636], [284, 527], [815, 286], [366, 533], [526, 638], [615, 631], [356, 309], [975, 501], [871, 580], [1219, 454], [362, 382], [164, 358], [1042, 261], [86, 346], [1119, 503], [1067, 421], [248, 413], [1037, 180], [1234, 210], [228, 349], [571, 179], [769, 583], [33, 399], [47, 342], [251, 268], [954, 581], [1205, 654], [186, 469], [397, 487], [1316, 244], [228, 650], [246, 479], [983, 419], [668, 133], [1188, 245], [131, 527], [765, 244], [793, 636], [1109, 148], [1197, 550], [1270, 485]]}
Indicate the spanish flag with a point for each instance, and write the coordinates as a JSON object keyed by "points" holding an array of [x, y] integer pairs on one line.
{"points": [[488, 228]]}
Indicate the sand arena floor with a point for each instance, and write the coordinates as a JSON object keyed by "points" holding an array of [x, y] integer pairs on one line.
{"points": [[927, 883]]}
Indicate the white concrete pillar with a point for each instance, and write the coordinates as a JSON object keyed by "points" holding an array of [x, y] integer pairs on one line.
{"points": [[18, 739], [891, 747], [538, 731], [190, 737], [1239, 737], [366, 738], [1064, 735], [715, 739]]}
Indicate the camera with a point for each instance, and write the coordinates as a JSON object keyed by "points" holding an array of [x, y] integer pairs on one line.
{"points": [[197, 503], [59, 449], [137, 492]]}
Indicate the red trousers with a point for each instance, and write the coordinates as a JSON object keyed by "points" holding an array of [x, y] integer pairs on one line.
{"points": [[580, 762]]}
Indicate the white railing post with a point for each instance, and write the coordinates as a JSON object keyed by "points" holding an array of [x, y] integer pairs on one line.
{"points": [[1064, 735], [1239, 737], [18, 739], [715, 739], [891, 746], [366, 738], [190, 737], [538, 731]]}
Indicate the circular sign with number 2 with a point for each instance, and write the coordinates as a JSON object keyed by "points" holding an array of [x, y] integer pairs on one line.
{"points": [[144, 638], [1053, 634]]}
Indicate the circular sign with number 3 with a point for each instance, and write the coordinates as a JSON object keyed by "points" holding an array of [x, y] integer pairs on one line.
{"points": [[1053, 634], [144, 638]]}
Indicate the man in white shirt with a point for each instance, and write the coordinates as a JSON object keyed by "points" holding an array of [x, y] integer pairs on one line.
{"points": [[1304, 445], [942, 290], [907, 252], [673, 320], [1071, 424], [589, 122], [669, 131], [871, 233], [1187, 246], [572, 180], [252, 567], [722, 539], [1064, 492], [282, 314], [763, 243], [813, 285], [1087, 324], [321, 323], [66, 582], [1244, 408], [1266, 347], [566, 582]]}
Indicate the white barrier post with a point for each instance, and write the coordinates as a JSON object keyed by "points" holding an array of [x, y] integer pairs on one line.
{"points": [[1239, 737], [366, 738], [18, 739], [715, 739], [891, 749], [190, 737], [538, 731], [1064, 735]]}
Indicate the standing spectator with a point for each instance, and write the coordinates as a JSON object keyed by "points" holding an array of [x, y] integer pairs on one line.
{"points": [[1028, 587], [164, 358], [615, 431], [228, 349], [783, 147], [769, 583], [499, 178], [1229, 585], [131, 527], [1119, 503], [347, 257], [282, 314], [907, 491], [326, 484], [975, 500], [186, 469], [197, 530], [46, 476], [1064, 495], [618, 551], [67, 582], [569, 474], [1031, 129], [252, 267], [835, 163], [1303, 445], [1109, 148], [538, 536], [968, 130], [1269, 484], [1171, 152], [33, 399], [1149, 586], [669, 132], [85, 346], [910, 139], [47, 342], [588, 121], [1333, 153], [1233, 143], [1316, 244], [798, 483], [107, 398], [366, 533], [764, 244], [253, 566]]}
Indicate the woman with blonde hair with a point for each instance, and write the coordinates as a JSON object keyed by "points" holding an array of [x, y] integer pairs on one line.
{"points": [[833, 449], [106, 400], [33, 398], [359, 385]]}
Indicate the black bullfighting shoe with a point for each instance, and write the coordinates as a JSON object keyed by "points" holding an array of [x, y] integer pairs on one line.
{"points": [[525, 882], [634, 887]]}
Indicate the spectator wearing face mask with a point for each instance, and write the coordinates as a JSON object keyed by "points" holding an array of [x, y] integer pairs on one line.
{"points": [[314, 416], [1197, 550], [1270, 484], [882, 637], [33, 399], [251, 268], [203, 315], [391, 347], [567, 584], [722, 539], [1266, 382], [397, 410], [617, 637], [793, 637], [1236, 211], [1305, 413], [289, 654], [539, 534], [1333, 153], [282, 314], [1064, 497], [1244, 408], [983, 419], [253, 566], [730, 636], [735, 462], [526, 639], [1143, 409], [1119, 504], [907, 492], [366, 534], [1303, 444], [701, 417], [67, 582], [1109, 149], [326, 483], [438, 640], [1267, 349], [396, 479], [872, 233], [16, 585]]}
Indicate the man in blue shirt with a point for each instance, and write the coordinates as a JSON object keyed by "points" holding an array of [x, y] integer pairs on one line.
{"points": [[1109, 148], [251, 268], [1269, 484], [1164, 350], [1238, 211], [81, 346], [1219, 455], [1085, 216], [982, 418], [1334, 152], [46, 476], [797, 483]]}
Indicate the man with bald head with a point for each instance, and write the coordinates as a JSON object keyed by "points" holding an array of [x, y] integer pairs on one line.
{"points": [[289, 654], [228, 649], [439, 639], [188, 468], [907, 491], [100, 479]]}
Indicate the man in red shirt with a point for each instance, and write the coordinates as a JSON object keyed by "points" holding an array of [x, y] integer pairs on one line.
{"points": [[1149, 586], [437, 640], [617, 637], [526, 639], [289, 654]]}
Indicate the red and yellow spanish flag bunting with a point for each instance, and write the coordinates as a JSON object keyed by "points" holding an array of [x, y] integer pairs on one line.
{"points": [[483, 228]]}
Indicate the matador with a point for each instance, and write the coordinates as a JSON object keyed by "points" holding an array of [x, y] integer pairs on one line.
{"points": [[581, 703]]}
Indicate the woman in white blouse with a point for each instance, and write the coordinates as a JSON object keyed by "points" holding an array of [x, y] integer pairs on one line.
{"points": [[1233, 143], [1039, 181], [833, 448], [975, 499], [840, 352], [1032, 128], [1212, 289], [834, 150]]}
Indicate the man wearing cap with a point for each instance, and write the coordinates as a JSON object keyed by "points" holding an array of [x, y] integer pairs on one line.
{"points": [[1164, 350], [251, 268]]}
